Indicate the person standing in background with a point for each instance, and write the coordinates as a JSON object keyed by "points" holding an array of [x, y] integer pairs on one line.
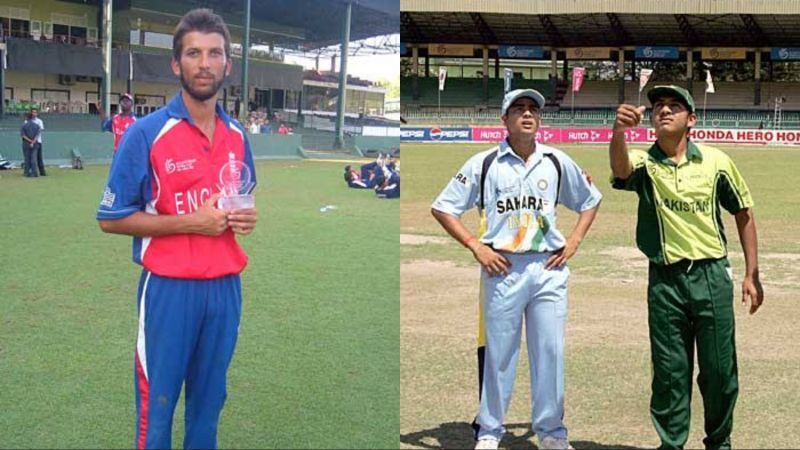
{"points": [[37, 150], [29, 132], [119, 123]]}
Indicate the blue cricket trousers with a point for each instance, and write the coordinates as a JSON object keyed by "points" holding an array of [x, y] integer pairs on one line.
{"points": [[539, 296], [187, 332]]}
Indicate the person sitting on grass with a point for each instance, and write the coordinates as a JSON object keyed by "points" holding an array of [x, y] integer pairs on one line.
{"points": [[372, 175], [390, 188], [368, 178]]}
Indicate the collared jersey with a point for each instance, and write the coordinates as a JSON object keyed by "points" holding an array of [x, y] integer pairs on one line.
{"points": [[679, 204], [520, 199], [118, 124], [166, 165]]}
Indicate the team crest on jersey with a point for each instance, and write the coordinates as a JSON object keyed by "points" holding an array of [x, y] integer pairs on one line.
{"points": [[180, 166], [542, 184], [108, 198], [659, 170]]}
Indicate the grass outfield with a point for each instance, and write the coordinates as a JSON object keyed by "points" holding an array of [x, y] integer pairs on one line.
{"points": [[608, 368], [316, 364]]}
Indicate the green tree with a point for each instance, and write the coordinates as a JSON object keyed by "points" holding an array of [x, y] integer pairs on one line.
{"points": [[392, 88]]}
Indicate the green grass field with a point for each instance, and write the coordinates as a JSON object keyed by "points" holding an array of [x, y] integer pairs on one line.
{"points": [[316, 364], [608, 367]]}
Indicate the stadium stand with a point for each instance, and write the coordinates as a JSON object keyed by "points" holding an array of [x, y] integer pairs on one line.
{"points": [[731, 106], [462, 92], [755, 72], [61, 74]]}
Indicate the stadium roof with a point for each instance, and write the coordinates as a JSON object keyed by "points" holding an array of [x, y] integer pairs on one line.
{"points": [[307, 24], [607, 23], [322, 21]]}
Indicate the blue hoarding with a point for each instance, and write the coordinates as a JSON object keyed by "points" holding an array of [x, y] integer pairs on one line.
{"points": [[403, 49], [785, 53], [435, 134], [651, 52], [520, 51]]}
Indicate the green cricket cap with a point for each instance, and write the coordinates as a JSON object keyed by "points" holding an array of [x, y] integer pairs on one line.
{"points": [[672, 91]]}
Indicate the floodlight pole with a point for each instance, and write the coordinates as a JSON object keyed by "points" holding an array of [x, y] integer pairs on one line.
{"points": [[705, 97], [573, 107], [105, 96], [130, 76], [342, 100], [2, 77], [245, 63]]}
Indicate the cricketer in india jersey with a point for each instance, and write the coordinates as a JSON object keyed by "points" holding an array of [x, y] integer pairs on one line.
{"points": [[518, 202], [190, 292]]}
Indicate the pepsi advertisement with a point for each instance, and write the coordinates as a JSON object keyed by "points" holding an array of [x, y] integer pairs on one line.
{"points": [[435, 134]]}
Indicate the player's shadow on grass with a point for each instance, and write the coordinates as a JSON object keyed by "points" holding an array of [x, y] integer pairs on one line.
{"points": [[458, 435]]}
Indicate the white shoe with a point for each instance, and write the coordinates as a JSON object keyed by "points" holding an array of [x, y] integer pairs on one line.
{"points": [[552, 443], [487, 443]]}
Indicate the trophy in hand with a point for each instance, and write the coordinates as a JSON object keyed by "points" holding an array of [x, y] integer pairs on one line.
{"points": [[236, 185]]}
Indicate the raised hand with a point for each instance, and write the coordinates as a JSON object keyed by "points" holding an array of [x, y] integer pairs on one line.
{"points": [[628, 116]]}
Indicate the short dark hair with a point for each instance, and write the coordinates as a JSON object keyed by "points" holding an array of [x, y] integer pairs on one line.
{"points": [[205, 21], [347, 175]]}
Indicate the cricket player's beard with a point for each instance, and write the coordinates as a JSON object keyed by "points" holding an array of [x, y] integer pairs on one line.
{"points": [[201, 94]]}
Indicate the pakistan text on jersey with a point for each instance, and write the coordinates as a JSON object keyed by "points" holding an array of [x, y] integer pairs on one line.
{"points": [[683, 206], [517, 203]]}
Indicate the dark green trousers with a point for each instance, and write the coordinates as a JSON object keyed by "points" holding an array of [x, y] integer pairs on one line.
{"points": [[691, 303]]}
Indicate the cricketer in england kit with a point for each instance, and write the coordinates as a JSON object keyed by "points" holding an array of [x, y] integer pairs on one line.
{"points": [[162, 189]]}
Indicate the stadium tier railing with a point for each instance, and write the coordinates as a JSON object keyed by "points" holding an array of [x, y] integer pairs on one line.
{"points": [[464, 92], [602, 118], [463, 99], [53, 121]]}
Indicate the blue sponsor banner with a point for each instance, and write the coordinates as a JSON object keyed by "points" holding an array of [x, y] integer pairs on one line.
{"points": [[651, 52], [785, 53], [413, 134], [435, 134], [520, 51], [403, 49]]}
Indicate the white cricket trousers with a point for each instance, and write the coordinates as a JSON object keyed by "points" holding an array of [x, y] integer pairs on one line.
{"points": [[540, 296]]}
